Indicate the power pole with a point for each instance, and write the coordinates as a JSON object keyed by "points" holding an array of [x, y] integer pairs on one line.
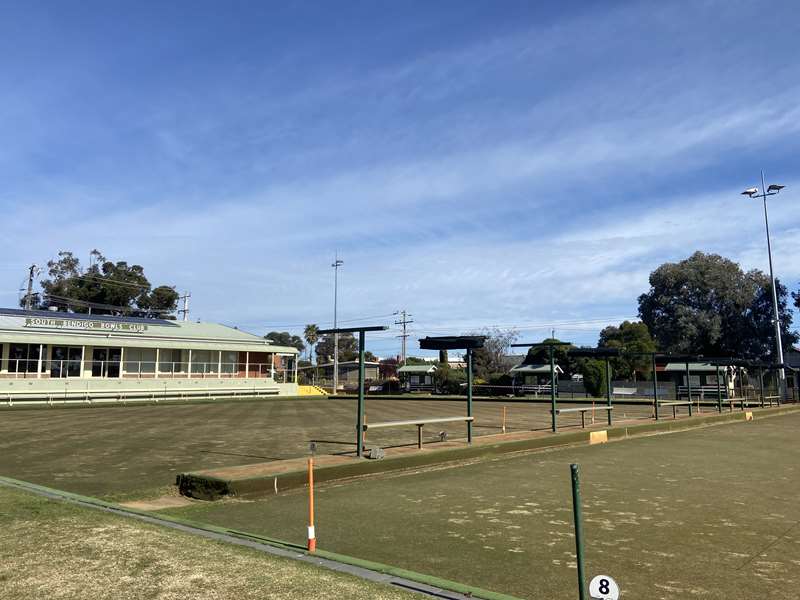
{"points": [[403, 321], [336, 264], [185, 309], [29, 296]]}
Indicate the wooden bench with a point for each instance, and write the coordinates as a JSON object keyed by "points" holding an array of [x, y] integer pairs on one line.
{"points": [[624, 391], [583, 410], [675, 404], [419, 423]]}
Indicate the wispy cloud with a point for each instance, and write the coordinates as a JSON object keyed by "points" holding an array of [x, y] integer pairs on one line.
{"points": [[525, 174]]}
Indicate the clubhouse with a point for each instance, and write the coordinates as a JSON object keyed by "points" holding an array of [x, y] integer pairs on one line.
{"points": [[57, 356]]}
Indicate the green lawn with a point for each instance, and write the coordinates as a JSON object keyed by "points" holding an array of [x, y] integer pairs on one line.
{"points": [[710, 513], [126, 452], [54, 550]]}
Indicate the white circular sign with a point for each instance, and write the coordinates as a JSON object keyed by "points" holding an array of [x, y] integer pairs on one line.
{"points": [[604, 587]]}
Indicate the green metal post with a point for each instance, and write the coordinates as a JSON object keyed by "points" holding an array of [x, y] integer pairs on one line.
{"points": [[655, 388], [608, 389], [689, 388], [360, 433], [553, 389], [469, 394], [728, 392], [719, 392], [761, 385], [577, 515]]}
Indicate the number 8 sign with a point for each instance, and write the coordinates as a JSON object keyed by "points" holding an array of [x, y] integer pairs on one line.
{"points": [[603, 587]]}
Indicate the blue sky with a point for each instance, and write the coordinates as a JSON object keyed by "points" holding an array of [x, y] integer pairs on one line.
{"points": [[476, 163]]}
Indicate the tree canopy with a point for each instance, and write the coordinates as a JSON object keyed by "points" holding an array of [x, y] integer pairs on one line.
{"points": [[632, 339], [488, 361], [348, 348], [311, 335], [284, 338], [707, 304], [105, 287]]}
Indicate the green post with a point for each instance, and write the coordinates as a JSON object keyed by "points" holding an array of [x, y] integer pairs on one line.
{"points": [[719, 392], [655, 388], [576, 511], [761, 385], [553, 407], [469, 394], [360, 433], [608, 389], [728, 392], [689, 388]]}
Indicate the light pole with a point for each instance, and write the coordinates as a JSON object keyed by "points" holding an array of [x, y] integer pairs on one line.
{"points": [[771, 191], [336, 264]]}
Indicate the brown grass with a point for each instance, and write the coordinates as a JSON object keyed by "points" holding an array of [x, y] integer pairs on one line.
{"points": [[55, 550]]}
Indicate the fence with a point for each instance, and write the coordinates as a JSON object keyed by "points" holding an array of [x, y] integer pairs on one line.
{"points": [[113, 369]]}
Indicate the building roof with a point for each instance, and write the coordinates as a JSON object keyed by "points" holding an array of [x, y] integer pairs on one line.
{"points": [[510, 361], [417, 369], [74, 329], [534, 369], [693, 367]]}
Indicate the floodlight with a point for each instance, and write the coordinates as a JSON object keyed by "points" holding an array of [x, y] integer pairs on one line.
{"points": [[775, 188], [750, 192]]}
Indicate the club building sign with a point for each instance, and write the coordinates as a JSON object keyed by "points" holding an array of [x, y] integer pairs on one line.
{"points": [[102, 326]]}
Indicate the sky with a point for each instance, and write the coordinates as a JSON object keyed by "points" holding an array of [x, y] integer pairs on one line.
{"points": [[478, 164]]}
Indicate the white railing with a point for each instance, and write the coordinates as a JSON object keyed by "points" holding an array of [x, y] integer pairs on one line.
{"points": [[110, 369]]}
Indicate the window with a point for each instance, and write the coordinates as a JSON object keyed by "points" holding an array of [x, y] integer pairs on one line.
{"points": [[105, 362], [24, 358], [169, 361], [202, 363], [65, 361], [139, 361]]}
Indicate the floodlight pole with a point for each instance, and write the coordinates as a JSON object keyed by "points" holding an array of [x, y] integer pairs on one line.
{"points": [[336, 264], [753, 193]]}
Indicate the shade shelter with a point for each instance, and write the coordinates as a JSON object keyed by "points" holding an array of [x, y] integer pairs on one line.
{"points": [[551, 346], [605, 354], [361, 342], [458, 342]]}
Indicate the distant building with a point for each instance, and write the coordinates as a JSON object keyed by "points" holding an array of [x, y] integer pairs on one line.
{"points": [[417, 378], [348, 371]]}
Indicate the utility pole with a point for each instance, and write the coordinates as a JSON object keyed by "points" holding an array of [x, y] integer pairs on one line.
{"points": [[29, 296], [185, 309], [403, 321], [336, 264]]}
